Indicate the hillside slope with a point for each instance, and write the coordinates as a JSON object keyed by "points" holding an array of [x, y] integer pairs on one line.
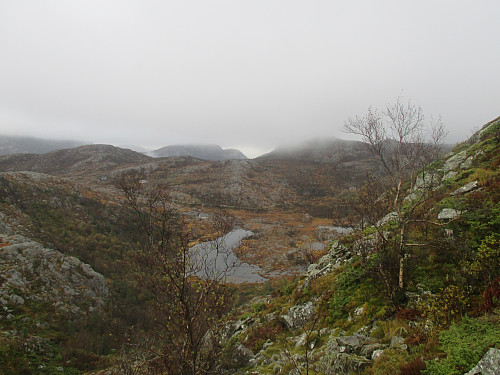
{"points": [[74, 161], [342, 318]]}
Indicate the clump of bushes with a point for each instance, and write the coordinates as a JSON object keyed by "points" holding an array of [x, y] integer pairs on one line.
{"points": [[464, 344]]}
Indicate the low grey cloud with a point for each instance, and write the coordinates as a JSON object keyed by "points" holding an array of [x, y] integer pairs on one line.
{"points": [[248, 74]]}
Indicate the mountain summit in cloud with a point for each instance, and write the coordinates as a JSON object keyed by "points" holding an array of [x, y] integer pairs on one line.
{"points": [[32, 145], [205, 152]]}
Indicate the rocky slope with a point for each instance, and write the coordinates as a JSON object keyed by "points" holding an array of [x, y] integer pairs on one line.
{"points": [[249, 184], [337, 320], [84, 160], [33, 273]]}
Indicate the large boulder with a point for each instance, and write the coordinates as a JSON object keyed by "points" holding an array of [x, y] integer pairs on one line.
{"points": [[448, 214], [466, 188], [488, 365], [299, 315], [455, 161]]}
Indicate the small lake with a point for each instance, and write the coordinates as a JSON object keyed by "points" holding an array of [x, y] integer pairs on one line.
{"points": [[219, 254]]}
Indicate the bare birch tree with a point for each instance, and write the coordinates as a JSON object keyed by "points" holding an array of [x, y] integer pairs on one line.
{"points": [[405, 144]]}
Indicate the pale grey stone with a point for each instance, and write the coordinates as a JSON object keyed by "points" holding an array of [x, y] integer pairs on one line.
{"points": [[466, 188], [377, 353], [397, 342], [488, 365], [455, 161], [299, 315], [448, 214]]}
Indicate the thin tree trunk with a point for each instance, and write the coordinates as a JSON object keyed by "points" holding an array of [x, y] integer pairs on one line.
{"points": [[401, 282], [401, 271]]}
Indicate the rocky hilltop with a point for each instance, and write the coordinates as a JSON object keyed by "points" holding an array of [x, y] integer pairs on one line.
{"points": [[73, 161], [204, 152]]}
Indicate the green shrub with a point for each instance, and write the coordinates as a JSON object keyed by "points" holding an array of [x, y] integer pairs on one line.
{"points": [[445, 307], [347, 286], [464, 345]]}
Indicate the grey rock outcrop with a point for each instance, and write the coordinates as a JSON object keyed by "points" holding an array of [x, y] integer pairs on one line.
{"points": [[31, 272], [391, 217], [455, 162], [397, 342], [242, 356], [337, 255], [448, 214], [466, 188], [488, 365], [299, 315], [343, 355]]}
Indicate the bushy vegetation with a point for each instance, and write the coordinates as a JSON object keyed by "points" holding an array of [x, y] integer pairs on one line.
{"points": [[80, 223], [464, 344]]}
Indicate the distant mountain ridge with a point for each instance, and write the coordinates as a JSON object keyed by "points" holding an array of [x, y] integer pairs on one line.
{"points": [[83, 159], [32, 145], [205, 152], [322, 150], [328, 150]]}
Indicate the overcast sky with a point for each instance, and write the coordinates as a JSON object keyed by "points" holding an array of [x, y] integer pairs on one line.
{"points": [[251, 74]]}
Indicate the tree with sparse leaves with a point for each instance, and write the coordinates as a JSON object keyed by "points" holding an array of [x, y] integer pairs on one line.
{"points": [[404, 144], [190, 296]]}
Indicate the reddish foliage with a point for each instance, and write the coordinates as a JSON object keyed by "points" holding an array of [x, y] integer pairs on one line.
{"points": [[414, 367], [408, 314], [491, 297], [416, 338], [260, 333]]}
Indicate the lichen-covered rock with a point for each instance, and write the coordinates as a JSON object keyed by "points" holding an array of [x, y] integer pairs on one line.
{"points": [[377, 354], [368, 351], [299, 315], [32, 272], [347, 354], [466, 188], [336, 363], [335, 257], [450, 175], [242, 356], [391, 217], [352, 343], [455, 161], [397, 342], [488, 365], [448, 214]]}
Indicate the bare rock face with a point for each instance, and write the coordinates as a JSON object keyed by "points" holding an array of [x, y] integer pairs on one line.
{"points": [[488, 365], [299, 315], [31, 272], [343, 356]]}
